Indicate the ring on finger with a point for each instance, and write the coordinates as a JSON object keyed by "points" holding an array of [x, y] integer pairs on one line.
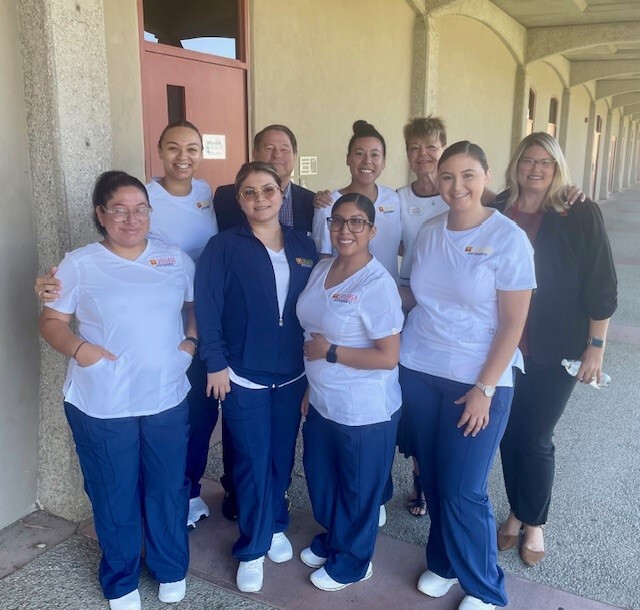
{"points": [[40, 293]]}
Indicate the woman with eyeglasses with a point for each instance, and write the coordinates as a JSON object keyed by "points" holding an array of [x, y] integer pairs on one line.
{"points": [[247, 284], [352, 316], [126, 387], [183, 215], [569, 317]]}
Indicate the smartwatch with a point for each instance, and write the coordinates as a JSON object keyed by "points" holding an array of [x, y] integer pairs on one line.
{"points": [[596, 342], [331, 354]]}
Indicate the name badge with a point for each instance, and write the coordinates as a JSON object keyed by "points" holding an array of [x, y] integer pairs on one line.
{"points": [[203, 205], [478, 250], [416, 210], [386, 209], [304, 262], [339, 297], [163, 261]]}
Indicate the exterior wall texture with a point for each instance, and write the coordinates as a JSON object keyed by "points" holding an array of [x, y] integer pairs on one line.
{"points": [[18, 329]]}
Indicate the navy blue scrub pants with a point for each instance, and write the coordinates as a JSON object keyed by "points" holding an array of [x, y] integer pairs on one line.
{"points": [[527, 450], [347, 468], [263, 425], [203, 416], [133, 470], [453, 473]]}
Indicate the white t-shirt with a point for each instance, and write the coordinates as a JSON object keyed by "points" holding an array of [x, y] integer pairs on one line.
{"points": [[455, 279], [365, 307], [133, 309], [415, 210], [384, 246], [189, 221]]}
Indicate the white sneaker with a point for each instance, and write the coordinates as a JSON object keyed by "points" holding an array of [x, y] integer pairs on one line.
{"points": [[382, 517], [250, 575], [197, 510], [280, 550], [473, 603], [130, 601], [323, 581], [172, 592], [433, 585], [309, 558]]}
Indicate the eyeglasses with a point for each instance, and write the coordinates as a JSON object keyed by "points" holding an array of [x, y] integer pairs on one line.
{"points": [[355, 225], [250, 194], [121, 214], [528, 163]]}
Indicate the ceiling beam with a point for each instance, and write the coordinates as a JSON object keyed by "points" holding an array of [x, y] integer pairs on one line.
{"points": [[585, 71], [607, 87], [625, 99]]}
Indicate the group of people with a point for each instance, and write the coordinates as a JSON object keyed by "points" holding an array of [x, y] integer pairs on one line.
{"points": [[275, 326]]}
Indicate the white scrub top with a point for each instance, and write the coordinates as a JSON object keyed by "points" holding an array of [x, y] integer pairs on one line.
{"points": [[455, 279], [365, 307], [134, 310]]}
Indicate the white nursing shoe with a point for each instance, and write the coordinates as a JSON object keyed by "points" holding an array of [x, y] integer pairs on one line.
{"points": [[324, 582], [280, 550], [473, 603], [309, 558], [433, 585], [172, 592], [130, 601], [250, 575]]}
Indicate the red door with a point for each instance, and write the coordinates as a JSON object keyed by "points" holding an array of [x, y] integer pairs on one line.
{"points": [[207, 90]]}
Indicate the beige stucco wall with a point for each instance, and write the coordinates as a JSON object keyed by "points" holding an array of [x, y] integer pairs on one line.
{"points": [[476, 89], [333, 63], [545, 82], [125, 87], [18, 309], [576, 144]]}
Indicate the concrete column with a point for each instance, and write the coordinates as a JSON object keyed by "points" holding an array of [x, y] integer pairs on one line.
{"points": [[564, 118], [636, 152], [627, 156], [617, 171], [520, 104], [69, 133], [606, 151], [588, 160], [424, 73]]}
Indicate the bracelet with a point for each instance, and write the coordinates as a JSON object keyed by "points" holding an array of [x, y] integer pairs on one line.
{"points": [[78, 349], [193, 340]]}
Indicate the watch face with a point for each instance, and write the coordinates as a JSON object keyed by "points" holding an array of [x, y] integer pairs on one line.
{"points": [[489, 391]]}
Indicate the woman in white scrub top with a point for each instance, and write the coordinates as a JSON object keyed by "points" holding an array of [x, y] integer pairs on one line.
{"points": [[126, 385], [352, 316], [366, 159], [182, 215], [472, 279]]}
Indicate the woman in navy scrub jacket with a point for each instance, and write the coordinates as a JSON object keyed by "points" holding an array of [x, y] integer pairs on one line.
{"points": [[247, 283], [352, 316], [126, 388]]}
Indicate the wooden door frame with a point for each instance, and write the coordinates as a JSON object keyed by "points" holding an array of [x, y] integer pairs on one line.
{"points": [[163, 49]]}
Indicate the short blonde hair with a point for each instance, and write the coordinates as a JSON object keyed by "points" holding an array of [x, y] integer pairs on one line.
{"points": [[561, 178], [429, 128]]}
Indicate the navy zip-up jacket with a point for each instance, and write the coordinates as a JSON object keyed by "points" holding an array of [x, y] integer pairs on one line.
{"points": [[236, 306]]}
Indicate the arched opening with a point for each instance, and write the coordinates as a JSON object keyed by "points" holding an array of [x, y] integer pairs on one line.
{"points": [[552, 125], [531, 109]]}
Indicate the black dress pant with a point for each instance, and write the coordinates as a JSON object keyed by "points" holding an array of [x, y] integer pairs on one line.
{"points": [[527, 450]]}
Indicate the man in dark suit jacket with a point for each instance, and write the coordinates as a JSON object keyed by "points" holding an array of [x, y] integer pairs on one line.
{"points": [[277, 146]]}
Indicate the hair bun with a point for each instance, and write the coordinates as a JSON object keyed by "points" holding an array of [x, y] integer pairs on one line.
{"points": [[363, 129]]}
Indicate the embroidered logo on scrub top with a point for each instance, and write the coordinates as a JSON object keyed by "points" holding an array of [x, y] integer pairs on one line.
{"points": [[203, 205], [478, 250], [386, 209], [164, 261], [304, 262], [416, 210], [344, 298]]}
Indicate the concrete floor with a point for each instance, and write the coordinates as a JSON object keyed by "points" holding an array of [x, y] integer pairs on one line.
{"points": [[592, 539]]}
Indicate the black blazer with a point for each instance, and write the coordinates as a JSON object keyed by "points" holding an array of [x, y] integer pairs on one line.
{"points": [[229, 214], [576, 281]]}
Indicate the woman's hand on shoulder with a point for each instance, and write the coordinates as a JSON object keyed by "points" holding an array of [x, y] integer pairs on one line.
{"points": [[218, 384], [89, 353], [476, 411], [574, 193], [316, 348], [47, 287], [322, 199]]}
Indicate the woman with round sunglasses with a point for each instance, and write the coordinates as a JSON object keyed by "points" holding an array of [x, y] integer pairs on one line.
{"points": [[248, 280], [352, 316], [183, 215], [124, 395]]}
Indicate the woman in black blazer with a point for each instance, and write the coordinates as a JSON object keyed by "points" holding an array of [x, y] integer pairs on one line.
{"points": [[568, 318]]}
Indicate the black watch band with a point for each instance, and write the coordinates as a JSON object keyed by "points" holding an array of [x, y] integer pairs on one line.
{"points": [[596, 342], [331, 354], [193, 340]]}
